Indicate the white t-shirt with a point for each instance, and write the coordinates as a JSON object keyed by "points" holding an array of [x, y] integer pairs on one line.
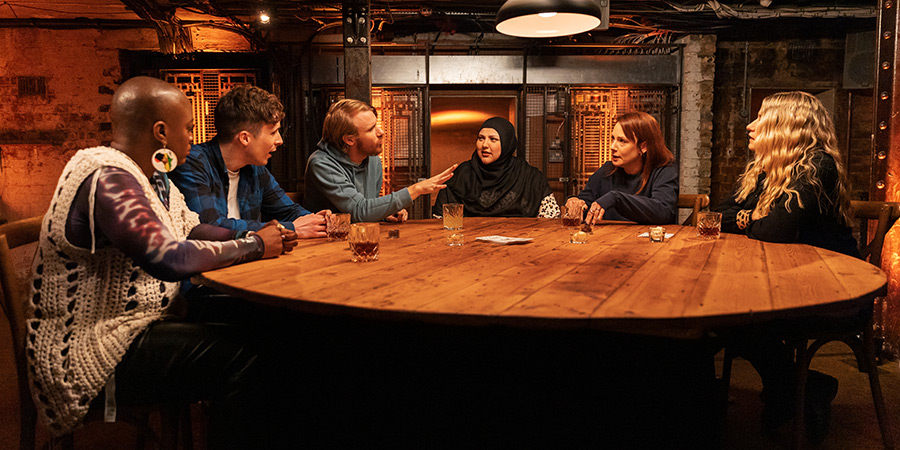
{"points": [[234, 210]]}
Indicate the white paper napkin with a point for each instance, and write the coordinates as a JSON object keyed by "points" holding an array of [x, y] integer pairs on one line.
{"points": [[503, 240], [647, 235]]}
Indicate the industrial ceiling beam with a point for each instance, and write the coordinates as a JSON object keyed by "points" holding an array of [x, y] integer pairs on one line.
{"points": [[173, 38], [357, 50]]}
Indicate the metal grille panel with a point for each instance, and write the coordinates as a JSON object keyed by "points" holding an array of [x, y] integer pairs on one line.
{"points": [[594, 112], [204, 88], [403, 153], [534, 126]]}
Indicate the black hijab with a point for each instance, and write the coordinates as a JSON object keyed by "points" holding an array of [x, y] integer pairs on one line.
{"points": [[507, 187]]}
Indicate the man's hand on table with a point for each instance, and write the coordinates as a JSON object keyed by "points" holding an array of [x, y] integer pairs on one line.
{"points": [[311, 225], [400, 216], [276, 239]]}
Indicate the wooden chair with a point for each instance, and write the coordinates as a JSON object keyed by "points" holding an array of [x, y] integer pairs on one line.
{"points": [[696, 202], [886, 213], [295, 197], [12, 235], [13, 290], [856, 332]]}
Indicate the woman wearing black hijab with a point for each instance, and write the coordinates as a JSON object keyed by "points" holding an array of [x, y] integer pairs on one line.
{"points": [[496, 183]]}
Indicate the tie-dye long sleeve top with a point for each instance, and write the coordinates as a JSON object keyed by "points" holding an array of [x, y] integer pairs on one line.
{"points": [[124, 219]]}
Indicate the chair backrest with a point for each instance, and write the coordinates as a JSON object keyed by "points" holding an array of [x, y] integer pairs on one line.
{"points": [[694, 201], [295, 197], [13, 290], [886, 213]]}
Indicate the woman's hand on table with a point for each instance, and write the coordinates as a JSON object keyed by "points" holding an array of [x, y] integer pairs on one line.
{"points": [[595, 214], [575, 204]]}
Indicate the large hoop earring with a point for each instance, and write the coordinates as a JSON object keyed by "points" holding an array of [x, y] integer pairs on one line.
{"points": [[164, 160]]}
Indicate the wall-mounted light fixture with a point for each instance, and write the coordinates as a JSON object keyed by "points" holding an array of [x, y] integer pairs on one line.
{"points": [[264, 17], [552, 18]]}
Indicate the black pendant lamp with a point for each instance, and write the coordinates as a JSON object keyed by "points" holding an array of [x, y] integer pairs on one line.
{"points": [[551, 18]]}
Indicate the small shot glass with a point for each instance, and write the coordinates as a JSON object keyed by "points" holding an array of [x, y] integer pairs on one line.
{"points": [[455, 239], [657, 234], [578, 237]]}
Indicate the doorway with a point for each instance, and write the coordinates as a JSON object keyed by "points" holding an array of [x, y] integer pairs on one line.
{"points": [[456, 119]]}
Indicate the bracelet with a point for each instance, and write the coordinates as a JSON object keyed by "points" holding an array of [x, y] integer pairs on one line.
{"points": [[743, 218]]}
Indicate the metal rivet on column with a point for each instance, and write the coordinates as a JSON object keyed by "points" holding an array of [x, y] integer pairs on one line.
{"points": [[880, 184], [885, 95], [888, 4], [882, 155], [887, 35], [882, 125], [886, 65], [349, 40]]}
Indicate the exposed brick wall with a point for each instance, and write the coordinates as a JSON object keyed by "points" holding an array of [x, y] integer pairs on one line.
{"points": [[38, 134], [81, 70], [860, 144], [815, 64], [698, 74]]}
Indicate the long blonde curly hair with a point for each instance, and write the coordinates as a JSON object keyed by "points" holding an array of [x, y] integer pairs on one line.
{"points": [[792, 128]]}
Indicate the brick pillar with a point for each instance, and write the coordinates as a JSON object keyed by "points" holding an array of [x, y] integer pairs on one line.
{"points": [[698, 71]]}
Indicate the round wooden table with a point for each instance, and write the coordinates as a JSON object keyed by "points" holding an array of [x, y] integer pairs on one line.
{"points": [[617, 281]]}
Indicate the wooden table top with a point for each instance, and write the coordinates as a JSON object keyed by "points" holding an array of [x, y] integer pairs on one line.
{"points": [[616, 281]]}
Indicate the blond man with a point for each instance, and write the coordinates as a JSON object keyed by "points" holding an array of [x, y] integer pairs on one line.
{"points": [[344, 173]]}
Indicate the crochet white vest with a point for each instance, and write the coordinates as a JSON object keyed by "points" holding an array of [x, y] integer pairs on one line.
{"points": [[87, 306]]}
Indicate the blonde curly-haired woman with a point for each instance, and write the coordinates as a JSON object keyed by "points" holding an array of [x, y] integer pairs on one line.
{"points": [[794, 190]]}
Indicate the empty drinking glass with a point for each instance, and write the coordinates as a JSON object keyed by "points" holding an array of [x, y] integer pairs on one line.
{"points": [[453, 216]]}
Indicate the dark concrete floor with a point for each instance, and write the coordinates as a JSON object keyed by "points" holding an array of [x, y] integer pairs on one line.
{"points": [[853, 425], [853, 422]]}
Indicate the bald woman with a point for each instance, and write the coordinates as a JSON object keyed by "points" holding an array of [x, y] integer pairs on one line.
{"points": [[115, 244]]}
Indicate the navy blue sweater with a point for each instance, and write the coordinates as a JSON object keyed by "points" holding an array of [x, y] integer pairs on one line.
{"points": [[617, 193]]}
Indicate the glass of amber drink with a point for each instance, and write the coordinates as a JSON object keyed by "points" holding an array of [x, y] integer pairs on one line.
{"points": [[364, 241], [571, 217], [709, 225]]}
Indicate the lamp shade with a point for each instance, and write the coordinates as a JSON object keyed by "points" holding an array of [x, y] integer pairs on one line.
{"points": [[550, 18]]}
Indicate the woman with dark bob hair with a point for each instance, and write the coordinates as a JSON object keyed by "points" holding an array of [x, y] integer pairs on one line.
{"points": [[639, 183]]}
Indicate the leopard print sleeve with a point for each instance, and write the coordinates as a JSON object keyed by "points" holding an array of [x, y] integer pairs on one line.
{"points": [[549, 208]]}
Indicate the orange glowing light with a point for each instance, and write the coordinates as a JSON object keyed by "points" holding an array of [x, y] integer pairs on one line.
{"points": [[457, 117]]}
